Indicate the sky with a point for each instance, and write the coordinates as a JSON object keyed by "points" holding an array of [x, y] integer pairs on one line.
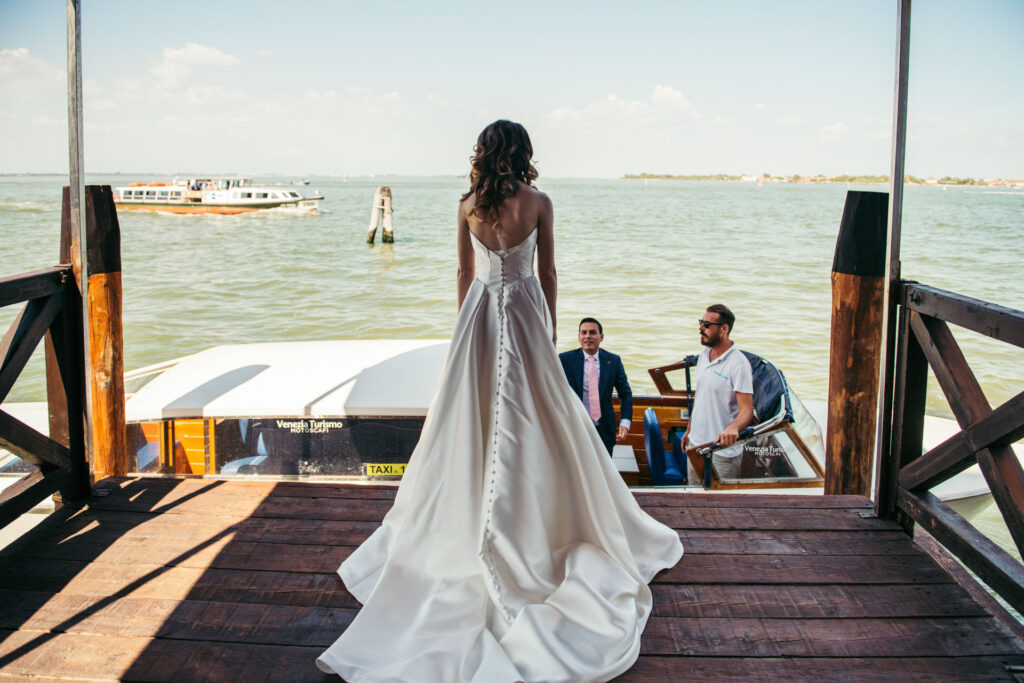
{"points": [[605, 88]]}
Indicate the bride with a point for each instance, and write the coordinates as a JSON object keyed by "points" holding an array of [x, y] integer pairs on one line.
{"points": [[513, 551]]}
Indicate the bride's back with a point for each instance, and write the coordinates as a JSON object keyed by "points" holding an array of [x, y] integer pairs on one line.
{"points": [[517, 217]]}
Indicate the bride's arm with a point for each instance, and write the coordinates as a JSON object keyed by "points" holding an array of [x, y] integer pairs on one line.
{"points": [[546, 259], [467, 265]]}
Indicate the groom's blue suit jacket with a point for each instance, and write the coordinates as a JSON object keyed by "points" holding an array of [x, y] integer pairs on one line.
{"points": [[612, 375]]}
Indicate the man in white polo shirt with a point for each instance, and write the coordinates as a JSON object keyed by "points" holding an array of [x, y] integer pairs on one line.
{"points": [[724, 401]]}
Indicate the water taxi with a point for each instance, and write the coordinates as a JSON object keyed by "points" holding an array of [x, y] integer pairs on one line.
{"points": [[354, 409], [221, 195]]}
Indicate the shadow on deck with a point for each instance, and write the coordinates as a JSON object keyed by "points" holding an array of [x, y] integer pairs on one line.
{"points": [[191, 579]]}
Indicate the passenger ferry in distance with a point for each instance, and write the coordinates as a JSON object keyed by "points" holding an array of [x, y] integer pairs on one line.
{"points": [[224, 195]]}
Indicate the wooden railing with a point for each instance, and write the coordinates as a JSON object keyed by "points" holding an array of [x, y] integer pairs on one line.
{"points": [[925, 341], [52, 307]]}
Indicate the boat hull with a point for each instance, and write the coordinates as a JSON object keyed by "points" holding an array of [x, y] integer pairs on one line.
{"points": [[223, 209]]}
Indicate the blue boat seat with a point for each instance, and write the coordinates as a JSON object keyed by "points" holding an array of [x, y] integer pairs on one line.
{"points": [[771, 393], [663, 467]]}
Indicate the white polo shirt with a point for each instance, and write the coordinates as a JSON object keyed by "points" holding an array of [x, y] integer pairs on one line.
{"points": [[714, 403]]}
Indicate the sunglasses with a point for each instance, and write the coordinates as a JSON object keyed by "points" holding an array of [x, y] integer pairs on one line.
{"points": [[705, 324]]}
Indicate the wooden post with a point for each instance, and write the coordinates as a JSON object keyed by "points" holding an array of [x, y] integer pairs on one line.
{"points": [[885, 500], [76, 180], [65, 366], [907, 433], [375, 215], [69, 253], [858, 306], [388, 236], [106, 340], [381, 215]]}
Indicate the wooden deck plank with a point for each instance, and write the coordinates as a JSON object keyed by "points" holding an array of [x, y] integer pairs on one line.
{"points": [[74, 656], [759, 519], [811, 569], [196, 620], [169, 489], [373, 509], [715, 637], [90, 527], [224, 553], [649, 499], [812, 601], [846, 670], [48, 577], [97, 582], [192, 579], [220, 552]]}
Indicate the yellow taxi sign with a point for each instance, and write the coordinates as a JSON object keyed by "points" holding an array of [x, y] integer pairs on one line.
{"points": [[383, 469]]}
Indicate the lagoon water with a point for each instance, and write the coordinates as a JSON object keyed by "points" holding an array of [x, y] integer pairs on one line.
{"points": [[644, 259]]}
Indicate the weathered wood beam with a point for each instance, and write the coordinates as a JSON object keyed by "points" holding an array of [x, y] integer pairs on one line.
{"points": [[27, 492], [855, 356], [907, 435], [1000, 466], [885, 459], [65, 330], [106, 341], [32, 325], [32, 285], [993, 320], [65, 365], [30, 445], [1001, 427], [9, 337], [993, 565], [1005, 479], [947, 362]]}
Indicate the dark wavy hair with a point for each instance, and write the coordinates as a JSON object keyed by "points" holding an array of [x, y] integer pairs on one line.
{"points": [[501, 160]]}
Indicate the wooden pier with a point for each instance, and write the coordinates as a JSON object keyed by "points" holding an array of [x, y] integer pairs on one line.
{"points": [[163, 579], [190, 579]]}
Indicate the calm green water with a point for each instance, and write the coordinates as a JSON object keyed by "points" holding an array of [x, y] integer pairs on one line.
{"points": [[644, 260]]}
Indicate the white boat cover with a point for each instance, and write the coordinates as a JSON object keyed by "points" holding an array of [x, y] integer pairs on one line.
{"points": [[348, 378]]}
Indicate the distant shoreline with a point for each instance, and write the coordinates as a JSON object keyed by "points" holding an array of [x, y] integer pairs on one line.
{"points": [[844, 179]]}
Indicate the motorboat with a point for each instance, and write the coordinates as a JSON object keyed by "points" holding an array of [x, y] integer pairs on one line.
{"points": [[213, 194], [353, 410]]}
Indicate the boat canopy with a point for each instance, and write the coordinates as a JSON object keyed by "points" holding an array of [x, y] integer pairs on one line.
{"points": [[348, 378]]}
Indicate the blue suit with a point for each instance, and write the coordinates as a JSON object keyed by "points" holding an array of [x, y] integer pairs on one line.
{"points": [[612, 374]]}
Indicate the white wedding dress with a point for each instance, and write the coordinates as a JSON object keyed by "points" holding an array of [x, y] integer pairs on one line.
{"points": [[514, 551]]}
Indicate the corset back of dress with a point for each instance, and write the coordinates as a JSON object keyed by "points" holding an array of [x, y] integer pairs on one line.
{"points": [[508, 265]]}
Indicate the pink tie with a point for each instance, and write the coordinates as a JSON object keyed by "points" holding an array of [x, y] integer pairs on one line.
{"points": [[595, 404]]}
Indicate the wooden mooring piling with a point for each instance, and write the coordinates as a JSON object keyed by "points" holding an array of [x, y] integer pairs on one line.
{"points": [[381, 215], [858, 305], [106, 340]]}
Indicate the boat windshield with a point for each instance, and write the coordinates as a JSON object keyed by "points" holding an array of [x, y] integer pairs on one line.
{"points": [[790, 455]]}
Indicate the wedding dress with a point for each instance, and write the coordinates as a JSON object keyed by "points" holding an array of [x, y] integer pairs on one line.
{"points": [[514, 551]]}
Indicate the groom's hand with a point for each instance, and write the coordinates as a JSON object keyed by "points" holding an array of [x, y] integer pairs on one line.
{"points": [[622, 433]]}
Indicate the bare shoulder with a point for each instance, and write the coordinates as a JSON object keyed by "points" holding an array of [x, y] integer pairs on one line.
{"points": [[533, 195]]}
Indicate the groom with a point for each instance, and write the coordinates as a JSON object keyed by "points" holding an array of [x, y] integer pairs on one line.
{"points": [[588, 366]]}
